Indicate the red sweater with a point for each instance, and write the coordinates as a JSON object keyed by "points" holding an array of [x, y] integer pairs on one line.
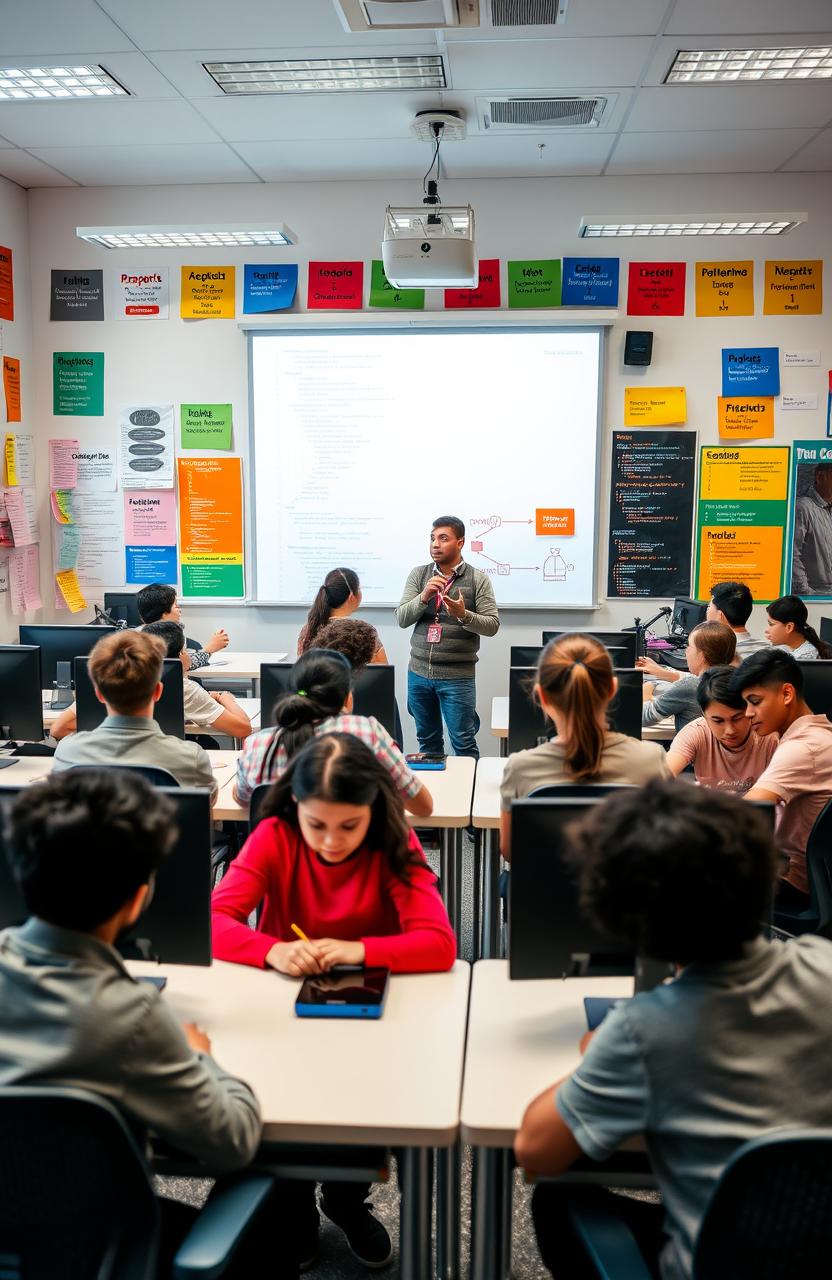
{"points": [[403, 925]]}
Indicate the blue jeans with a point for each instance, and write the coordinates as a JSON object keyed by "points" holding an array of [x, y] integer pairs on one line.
{"points": [[454, 701]]}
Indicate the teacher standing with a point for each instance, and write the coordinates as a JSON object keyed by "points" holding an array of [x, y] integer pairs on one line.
{"points": [[452, 605]]}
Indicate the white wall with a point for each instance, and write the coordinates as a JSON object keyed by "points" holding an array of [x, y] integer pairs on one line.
{"points": [[16, 340], [205, 361]]}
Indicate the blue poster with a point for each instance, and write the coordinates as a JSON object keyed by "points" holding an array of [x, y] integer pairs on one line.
{"points": [[751, 371], [589, 282], [268, 287], [150, 564]]}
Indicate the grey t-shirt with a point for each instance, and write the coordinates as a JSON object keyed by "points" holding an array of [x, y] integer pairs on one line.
{"points": [[704, 1064], [624, 760], [138, 740]]}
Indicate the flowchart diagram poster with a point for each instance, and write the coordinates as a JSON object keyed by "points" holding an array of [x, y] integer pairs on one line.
{"points": [[651, 513]]}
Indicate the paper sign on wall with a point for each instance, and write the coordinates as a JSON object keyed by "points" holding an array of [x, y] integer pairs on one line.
{"points": [[78, 383], [63, 464], [150, 564], [6, 539], [801, 359], [742, 518], [654, 406], [6, 284], [384, 294], [205, 426], [61, 502], [268, 287], [22, 511], [750, 371], [96, 470], [746, 417], [211, 526], [656, 289], [146, 438], [150, 536], [19, 456], [590, 282], [66, 544], [534, 283], [335, 285], [24, 579], [790, 403], [207, 293], [71, 591], [101, 551], [77, 295], [485, 294], [144, 295], [793, 288], [724, 288], [11, 388]]}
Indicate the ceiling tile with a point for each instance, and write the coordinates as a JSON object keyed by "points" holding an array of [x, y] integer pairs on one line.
{"points": [[353, 115], [330, 159], [735, 106], [117, 121], [744, 17], [70, 27], [708, 151], [143, 165], [816, 157], [27, 171], [548, 64], [520, 156]]}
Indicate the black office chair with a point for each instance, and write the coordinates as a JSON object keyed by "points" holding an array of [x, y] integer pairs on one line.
{"points": [[255, 804], [76, 1198], [769, 1217], [817, 917], [577, 790]]}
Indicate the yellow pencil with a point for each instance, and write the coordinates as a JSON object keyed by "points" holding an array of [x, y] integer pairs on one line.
{"points": [[299, 932]]}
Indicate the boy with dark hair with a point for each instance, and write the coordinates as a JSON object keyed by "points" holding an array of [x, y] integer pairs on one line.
{"points": [[736, 1045], [157, 602], [732, 603], [799, 776], [724, 749], [220, 711]]}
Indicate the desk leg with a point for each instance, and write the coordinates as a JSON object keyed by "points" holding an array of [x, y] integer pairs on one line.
{"points": [[448, 1176], [448, 872], [476, 907], [503, 747], [491, 896], [490, 1233], [415, 1179]]}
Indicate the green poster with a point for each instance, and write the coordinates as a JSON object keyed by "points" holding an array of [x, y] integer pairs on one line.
{"points": [[534, 283], [78, 383], [206, 426], [382, 293], [213, 580]]}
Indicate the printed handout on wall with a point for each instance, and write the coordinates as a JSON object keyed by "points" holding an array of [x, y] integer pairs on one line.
{"points": [[146, 434], [143, 295], [96, 470]]}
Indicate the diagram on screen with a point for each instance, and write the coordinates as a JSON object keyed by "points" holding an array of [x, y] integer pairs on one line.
{"points": [[555, 567]]}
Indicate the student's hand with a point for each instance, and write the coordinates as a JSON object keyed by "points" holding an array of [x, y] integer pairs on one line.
{"points": [[651, 667], [584, 1041], [219, 640], [435, 585], [333, 951], [456, 608], [196, 1038], [296, 958]]}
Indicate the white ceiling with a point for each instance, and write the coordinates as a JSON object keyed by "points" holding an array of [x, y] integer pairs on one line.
{"points": [[178, 127]]}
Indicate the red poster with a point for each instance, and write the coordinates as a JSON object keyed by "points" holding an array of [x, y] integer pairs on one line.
{"points": [[337, 286], [487, 292], [6, 285], [656, 289]]}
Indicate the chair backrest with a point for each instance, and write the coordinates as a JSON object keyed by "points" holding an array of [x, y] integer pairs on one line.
{"points": [[770, 1213], [75, 1197], [825, 630], [255, 804], [150, 772], [168, 712], [819, 868]]}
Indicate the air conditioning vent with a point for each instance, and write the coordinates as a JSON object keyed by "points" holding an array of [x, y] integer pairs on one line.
{"points": [[527, 13], [407, 15], [506, 114]]}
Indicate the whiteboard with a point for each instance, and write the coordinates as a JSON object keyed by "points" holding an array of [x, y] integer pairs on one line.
{"points": [[361, 437]]}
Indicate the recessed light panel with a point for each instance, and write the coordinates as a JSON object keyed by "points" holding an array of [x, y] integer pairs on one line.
{"points": [[596, 229], [17, 84], [184, 237], [706, 66], [329, 75]]}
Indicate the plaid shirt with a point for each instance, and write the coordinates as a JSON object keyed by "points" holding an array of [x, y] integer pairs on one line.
{"points": [[250, 763]]}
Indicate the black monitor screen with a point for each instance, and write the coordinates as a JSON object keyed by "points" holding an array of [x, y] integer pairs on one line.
{"points": [[817, 685], [21, 707], [528, 725], [687, 614], [374, 693], [61, 644], [122, 606], [621, 644], [169, 711]]}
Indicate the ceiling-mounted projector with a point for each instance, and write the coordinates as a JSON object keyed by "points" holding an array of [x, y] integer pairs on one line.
{"points": [[430, 247]]}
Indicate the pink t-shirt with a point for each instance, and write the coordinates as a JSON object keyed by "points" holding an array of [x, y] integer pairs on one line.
{"points": [[800, 774], [715, 766]]}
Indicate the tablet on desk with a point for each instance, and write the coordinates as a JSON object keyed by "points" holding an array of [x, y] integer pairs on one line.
{"points": [[347, 991]]}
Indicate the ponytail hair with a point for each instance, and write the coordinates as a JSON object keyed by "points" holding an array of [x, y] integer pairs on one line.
{"points": [[338, 586], [575, 675], [319, 685], [792, 609]]}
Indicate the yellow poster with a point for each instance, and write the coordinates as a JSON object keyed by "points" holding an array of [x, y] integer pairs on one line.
{"points": [[761, 476], [71, 591], [724, 288], [654, 406], [793, 288], [740, 553], [10, 453], [745, 417], [207, 293]]}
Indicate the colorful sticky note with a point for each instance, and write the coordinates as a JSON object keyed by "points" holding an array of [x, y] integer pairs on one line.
{"points": [[750, 371], [205, 426], [207, 293], [61, 502], [63, 464], [745, 417], [656, 289], [590, 282], [10, 459], [337, 286], [724, 288], [6, 284], [654, 406], [384, 294], [486, 293], [67, 580], [793, 288], [78, 384], [268, 287], [551, 520], [534, 283], [11, 388]]}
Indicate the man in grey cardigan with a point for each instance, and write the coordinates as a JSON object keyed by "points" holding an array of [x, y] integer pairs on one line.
{"points": [[452, 605]]}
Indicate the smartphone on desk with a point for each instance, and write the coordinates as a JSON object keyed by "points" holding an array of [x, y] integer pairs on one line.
{"points": [[347, 991], [425, 760]]}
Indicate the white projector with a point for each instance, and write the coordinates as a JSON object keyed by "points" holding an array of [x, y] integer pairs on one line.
{"points": [[430, 247]]}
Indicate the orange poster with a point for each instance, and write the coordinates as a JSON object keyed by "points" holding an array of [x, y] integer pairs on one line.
{"points": [[211, 527], [6, 285], [11, 388], [745, 417]]}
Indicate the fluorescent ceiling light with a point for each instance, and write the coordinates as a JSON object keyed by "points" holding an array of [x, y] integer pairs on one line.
{"points": [[21, 83], [218, 236], [329, 75], [739, 225], [697, 66]]}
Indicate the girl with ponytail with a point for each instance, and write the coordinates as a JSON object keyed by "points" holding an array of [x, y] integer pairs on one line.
{"points": [[575, 684], [339, 597], [788, 628]]}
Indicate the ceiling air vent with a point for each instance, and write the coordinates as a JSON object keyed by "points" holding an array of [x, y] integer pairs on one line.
{"points": [[506, 114], [407, 15], [527, 13]]}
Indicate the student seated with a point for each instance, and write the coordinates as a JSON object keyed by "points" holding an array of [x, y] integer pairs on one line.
{"points": [[798, 778], [723, 747], [126, 671], [575, 685], [337, 598], [219, 711], [333, 854], [320, 701], [736, 1045], [788, 628], [710, 644], [85, 848], [157, 602], [355, 639], [732, 603]]}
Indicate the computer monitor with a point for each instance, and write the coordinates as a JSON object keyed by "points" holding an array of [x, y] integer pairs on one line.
{"points": [[374, 693], [169, 711], [176, 927], [686, 615], [621, 644], [122, 606], [528, 726], [21, 706], [826, 630], [817, 685], [61, 644]]}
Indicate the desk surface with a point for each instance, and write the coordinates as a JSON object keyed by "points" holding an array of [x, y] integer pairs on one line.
{"points": [[485, 808], [522, 1036], [662, 731], [235, 666], [397, 1080]]}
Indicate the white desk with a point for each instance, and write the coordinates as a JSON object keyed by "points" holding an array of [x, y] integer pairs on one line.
{"points": [[251, 706], [485, 819], [395, 1082], [662, 731], [230, 664]]}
